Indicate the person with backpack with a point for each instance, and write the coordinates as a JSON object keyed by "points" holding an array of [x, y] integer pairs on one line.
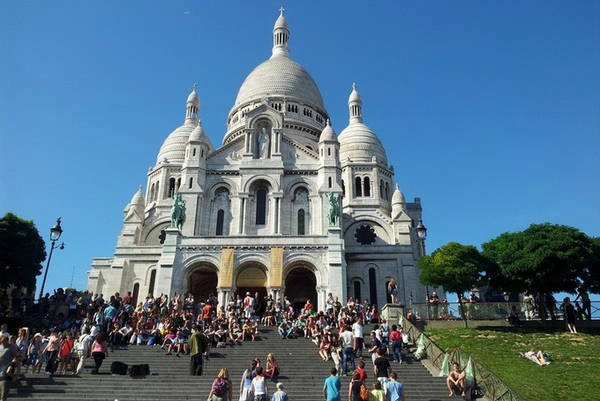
{"points": [[221, 388], [357, 391]]}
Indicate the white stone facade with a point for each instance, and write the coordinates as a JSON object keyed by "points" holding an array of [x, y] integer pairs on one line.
{"points": [[257, 207]]}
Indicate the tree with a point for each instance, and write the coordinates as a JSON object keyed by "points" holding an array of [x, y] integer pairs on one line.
{"points": [[22, 251], [456, 267], [543, 259], [591, 275]]}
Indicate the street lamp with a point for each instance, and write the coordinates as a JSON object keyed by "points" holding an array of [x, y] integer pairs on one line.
{"points": [[422, 234], [55, 233]]}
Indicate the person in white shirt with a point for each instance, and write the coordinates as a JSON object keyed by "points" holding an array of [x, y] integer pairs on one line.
{"points": [[347, 339], [357, 331], [259, 386]]}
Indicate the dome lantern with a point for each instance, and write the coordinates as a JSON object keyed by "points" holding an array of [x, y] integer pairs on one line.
{"points": [[355, 105], [281, 36]]}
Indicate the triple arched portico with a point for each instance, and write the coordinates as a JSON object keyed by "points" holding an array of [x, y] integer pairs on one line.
{"points": [[299, 279]]}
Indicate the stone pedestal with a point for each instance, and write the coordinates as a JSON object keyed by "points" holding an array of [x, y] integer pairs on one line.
{"points": [[392, 312]]}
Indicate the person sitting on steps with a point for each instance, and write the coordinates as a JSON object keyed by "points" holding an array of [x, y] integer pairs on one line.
{"points": [[456, 380]]}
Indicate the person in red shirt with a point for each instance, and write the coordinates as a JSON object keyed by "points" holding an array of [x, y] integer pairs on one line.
{"points": [[396, 341], [206, 314], [361, 371], [64, 353]]}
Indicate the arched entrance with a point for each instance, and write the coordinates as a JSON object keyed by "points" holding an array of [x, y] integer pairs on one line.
{"points": [[202, 283], [300, 285], [251, 278]]}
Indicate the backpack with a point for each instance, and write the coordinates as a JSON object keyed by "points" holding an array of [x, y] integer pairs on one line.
{"points": [[364, 393], [219, 387]]}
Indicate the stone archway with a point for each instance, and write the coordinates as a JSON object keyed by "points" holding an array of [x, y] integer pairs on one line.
{"points": [[202, 282], [251, 278], [300, 285]]}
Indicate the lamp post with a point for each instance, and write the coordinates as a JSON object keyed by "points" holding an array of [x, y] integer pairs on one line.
{"points": [[55, 233], [422, 234], [506, 296]]}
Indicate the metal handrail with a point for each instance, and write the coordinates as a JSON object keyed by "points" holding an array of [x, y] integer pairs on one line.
{"points": [[494, 388]]}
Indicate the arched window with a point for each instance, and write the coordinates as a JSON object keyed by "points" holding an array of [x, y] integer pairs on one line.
{"points": [[151, 193], [194, 152], [178, 184], [357, 289], [156, 191], [220, 220], [387, 191], [381, 188], [152, 281], [301, 225], [343, 189], [191, 182], [367, 186], [372, 286], [136, 293], [171, 187], [261, 206], [329, 181], [357, 187]]}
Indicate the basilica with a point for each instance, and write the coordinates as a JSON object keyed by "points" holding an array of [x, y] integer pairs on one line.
{"points": [[283, 206]]}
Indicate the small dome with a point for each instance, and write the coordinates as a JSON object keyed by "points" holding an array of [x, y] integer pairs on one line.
{"points": [[193, 97], [354, 96], [138, 197], [198, 134], [281, 23], [281, 77], [359, 144], [398, 196], [173, 148], [327, 134]]}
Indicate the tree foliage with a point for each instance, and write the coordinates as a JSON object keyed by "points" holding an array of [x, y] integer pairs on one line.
{"points": [[22, 250], [544, 258], [456, 267]]}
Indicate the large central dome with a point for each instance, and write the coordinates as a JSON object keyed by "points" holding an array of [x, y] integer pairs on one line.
{"points": [[280, 76]]}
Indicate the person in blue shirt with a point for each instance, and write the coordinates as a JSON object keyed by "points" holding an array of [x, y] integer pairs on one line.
{"points": [[332, 386], [395, 389]]}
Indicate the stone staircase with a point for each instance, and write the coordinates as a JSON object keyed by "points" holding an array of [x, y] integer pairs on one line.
{"points": [[302, 373]]}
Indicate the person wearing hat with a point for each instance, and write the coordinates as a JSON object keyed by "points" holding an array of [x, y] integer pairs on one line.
{"points": [[279, 395]]}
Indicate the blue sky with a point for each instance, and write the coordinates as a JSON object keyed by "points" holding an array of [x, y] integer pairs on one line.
{"points": [[489, 111]]}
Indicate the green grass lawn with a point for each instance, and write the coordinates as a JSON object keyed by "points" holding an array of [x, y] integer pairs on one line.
{"points": [[573, 374]]}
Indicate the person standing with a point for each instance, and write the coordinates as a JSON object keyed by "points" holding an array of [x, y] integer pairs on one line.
{"points": [[381, 367], [198, 345], [7, 353], [51, 352], [332, 386], [354, 387], [259, 386], [347, 339], [393, 290], [221, 389], [99, 351], [279, 395], [357, 331], [394, 389], [569, 314]]}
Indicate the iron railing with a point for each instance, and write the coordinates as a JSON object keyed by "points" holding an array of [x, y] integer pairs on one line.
{"points": [[489, 311], [493, 387]]}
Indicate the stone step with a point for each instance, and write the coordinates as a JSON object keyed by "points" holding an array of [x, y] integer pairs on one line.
{"points": [[302, 373]]}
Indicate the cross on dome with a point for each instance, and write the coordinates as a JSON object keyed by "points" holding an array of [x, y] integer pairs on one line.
{"points": [[281, 10]]}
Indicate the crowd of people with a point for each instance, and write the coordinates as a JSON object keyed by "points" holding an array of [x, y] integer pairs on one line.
{"points": [[75, 326]]}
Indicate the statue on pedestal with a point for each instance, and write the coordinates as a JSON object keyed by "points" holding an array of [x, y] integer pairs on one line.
{"points": [[178, 212], [333, 209]]}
